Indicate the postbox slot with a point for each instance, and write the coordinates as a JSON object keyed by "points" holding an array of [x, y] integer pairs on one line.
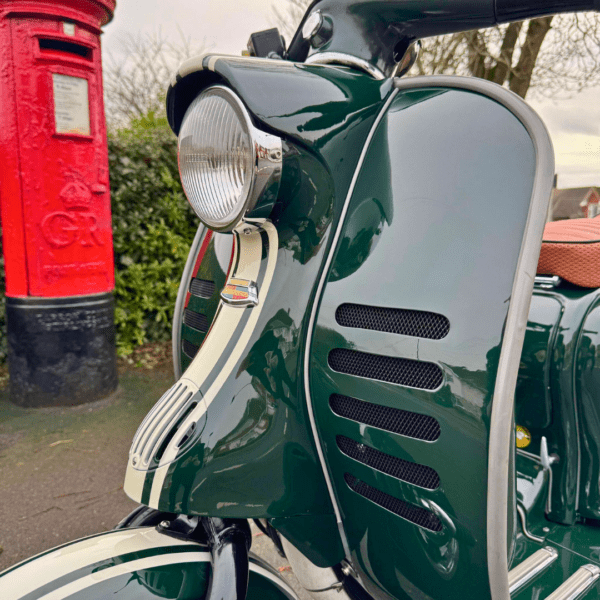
{"points": [[52, 45]]}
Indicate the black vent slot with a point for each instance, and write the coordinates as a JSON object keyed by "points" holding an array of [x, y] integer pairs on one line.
{"points": [[195, 320], [189, 349], [395, 420], [64, 46], [405, 470], [202, 288], [415, 323], [403, 371], [414, 514]]}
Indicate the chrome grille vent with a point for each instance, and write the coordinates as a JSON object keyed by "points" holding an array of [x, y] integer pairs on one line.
{"points": [[411, 472], [195, 320], [161, 424], [402, 371], [202, 288], [419, 516], [415, 323], [403, 422]]}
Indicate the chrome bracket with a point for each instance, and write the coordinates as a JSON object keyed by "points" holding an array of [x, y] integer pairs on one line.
{"points": [[526, 531]]}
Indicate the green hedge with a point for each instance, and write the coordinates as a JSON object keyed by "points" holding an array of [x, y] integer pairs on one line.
{"points": [[153, 227]]}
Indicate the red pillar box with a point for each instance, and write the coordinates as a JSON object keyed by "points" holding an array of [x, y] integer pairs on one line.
{"points": [[55, 201]]}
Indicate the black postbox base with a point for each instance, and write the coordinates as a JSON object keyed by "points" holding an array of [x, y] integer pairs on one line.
{"points": [[61, 350]]}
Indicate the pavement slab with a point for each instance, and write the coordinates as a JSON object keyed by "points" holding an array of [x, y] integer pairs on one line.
{"points": [[62, 470]]}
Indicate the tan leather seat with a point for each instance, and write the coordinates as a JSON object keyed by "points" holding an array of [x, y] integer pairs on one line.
{"points": [[571, 250]]}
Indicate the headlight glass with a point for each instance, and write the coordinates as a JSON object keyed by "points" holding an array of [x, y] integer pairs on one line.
{"points": [[220, 156]]}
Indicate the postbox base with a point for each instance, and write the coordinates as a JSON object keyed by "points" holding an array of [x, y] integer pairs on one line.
{"points": [[61, 350]]}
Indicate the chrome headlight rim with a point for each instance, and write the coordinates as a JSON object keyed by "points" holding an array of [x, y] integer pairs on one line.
{"points": [[266, 164]]}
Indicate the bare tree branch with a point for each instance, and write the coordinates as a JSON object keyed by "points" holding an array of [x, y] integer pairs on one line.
{"points": [[136, 80], [548, 56]]}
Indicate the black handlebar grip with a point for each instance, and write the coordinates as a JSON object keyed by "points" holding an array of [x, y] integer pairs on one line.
{"points": [[519, 10]]}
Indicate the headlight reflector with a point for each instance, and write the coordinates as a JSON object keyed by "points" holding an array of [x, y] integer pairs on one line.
{"points": [[225, 163]]}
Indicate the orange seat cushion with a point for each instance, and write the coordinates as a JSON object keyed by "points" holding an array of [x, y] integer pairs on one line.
{"points": [[571, 250]]}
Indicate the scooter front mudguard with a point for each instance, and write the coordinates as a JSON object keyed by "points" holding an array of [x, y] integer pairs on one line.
{"points": [[130, 564]]}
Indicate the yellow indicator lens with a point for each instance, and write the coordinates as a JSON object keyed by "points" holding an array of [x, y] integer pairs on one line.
{"points": [[523, 437]]}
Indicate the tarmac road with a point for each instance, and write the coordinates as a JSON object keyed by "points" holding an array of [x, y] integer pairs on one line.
{"points": [[62, 470]]}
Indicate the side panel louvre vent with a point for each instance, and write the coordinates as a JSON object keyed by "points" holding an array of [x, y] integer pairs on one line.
{"points": [[160, 425], [415, 323], [202, 288], [395, 420], [195, 320], [189, 349], [402, 371], [410, 472], [414, 514]]}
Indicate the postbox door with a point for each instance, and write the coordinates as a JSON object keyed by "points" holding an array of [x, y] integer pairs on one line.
{"points": [[62, 146]]}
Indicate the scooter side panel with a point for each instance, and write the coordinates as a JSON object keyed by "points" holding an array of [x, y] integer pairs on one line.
{"points": [[132, 564], [434, 226]]}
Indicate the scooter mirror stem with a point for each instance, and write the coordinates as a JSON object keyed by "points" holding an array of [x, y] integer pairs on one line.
{"points": [[229, 541]]}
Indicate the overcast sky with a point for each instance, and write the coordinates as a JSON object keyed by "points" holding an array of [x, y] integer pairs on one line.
{"points": [[224, 26]]}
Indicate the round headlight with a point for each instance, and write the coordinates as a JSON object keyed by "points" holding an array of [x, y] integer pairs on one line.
{"points": [[227, 166]]}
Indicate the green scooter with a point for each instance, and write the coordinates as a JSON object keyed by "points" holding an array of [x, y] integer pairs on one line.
{"points": [[369, 364]]}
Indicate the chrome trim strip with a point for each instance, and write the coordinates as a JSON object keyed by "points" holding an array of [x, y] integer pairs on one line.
{"points": [[313, 317], [208, 61], [524, 572], [331, 59], [184, 286], [577, 584], [547, 282], [284, 587], [516, 321], [526, 532]]}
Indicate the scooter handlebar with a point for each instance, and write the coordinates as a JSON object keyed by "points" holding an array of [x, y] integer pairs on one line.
{"points": [[377, 31], [518, 10]]}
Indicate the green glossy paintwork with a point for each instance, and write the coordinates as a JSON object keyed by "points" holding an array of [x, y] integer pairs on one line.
{"points": [[559, 342], [184, 579], [577, 546], [435, 224], [254, 455], [377, 31], [587, 376], [213, 267], [533, 401], [175, 582]]}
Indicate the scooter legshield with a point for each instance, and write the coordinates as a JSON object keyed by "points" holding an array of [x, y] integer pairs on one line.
{"points": [[233, 438], [419, 332], [130, 564]]}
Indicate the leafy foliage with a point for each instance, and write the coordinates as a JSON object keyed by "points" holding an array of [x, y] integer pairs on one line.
{"points": [[153, 227]]}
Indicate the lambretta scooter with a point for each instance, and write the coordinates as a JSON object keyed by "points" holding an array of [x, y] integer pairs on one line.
{"points": [[352, 331]]}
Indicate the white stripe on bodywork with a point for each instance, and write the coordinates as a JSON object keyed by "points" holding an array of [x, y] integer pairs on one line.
{"points": [[197, 370], [41, 571], [123, 569], [153, 562], [134, 483]]}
